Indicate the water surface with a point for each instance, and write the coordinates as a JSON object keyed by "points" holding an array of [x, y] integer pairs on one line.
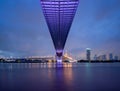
{"points": [[60, 77]]}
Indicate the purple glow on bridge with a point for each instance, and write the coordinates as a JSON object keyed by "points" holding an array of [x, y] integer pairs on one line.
{"points": [[59, 15]]}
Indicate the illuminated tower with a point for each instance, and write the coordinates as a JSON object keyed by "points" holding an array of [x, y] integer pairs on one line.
{"points": [[88, 54], [59, 15]]}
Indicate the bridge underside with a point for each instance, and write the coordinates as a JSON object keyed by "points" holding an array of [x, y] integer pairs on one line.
{"points": [[59, 15]]}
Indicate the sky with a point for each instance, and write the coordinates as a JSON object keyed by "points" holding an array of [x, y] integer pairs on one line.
{"points": [[24, 32]]}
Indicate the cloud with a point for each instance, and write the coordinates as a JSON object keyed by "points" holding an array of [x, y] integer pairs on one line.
{"points": [[106, 9], [24, 32]]}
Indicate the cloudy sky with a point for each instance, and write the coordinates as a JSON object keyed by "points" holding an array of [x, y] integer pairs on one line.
{"points": [[24, 32]]}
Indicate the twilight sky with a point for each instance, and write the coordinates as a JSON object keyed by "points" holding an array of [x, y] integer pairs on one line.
{"points": [[23, 30]]}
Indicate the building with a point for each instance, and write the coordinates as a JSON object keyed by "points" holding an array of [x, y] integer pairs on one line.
{"points": [[110, 56], [88, 54], [116, 58], [104, 58], [95, 57], [100, 58], [59, 15]]}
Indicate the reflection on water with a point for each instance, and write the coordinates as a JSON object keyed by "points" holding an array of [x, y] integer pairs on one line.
{"points": [[35, 65], [59, 77]]}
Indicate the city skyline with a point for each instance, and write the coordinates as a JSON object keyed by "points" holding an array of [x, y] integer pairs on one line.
{"points": [[24, 32]]}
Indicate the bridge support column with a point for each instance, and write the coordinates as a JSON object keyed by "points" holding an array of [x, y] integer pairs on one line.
{"points": [[59, 57]]}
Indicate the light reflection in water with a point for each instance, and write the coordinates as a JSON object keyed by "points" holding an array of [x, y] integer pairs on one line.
{"points": [[59, 77], [11, 66], [68, 75]]}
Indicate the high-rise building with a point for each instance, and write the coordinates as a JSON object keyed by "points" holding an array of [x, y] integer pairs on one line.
{"points": [[116, 58], [88, 54], [110, 56], [59, 15]]}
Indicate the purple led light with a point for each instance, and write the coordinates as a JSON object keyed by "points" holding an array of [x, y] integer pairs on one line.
{"points": [[59, 15]]}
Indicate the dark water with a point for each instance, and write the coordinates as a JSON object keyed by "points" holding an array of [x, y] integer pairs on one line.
{"points": [[60, 77]]}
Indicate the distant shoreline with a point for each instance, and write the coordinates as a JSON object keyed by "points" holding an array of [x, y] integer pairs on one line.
{"points": [[98, 61], [79, 61]]}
